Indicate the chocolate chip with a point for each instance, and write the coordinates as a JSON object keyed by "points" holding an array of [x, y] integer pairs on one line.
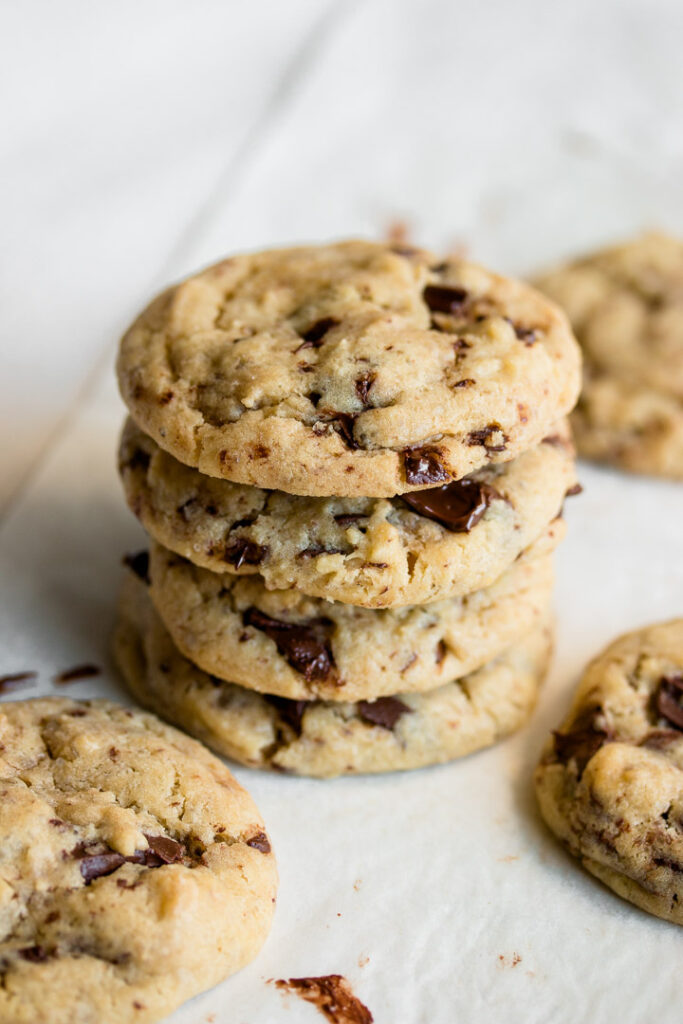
{"points": [[318, 549], [424, 466], [363, 385], [168, 850], [347, 518], [15, 680], [315, 334], [97, 865], [290, 711], [385, 711], [467, 382], [139, 564], [305, 645], [259, 842], [72, 675], [586, 737], [165, 398], [242, 551], [526, 334], [668, 698], [486, 437], [34, 954], [573, 490], [343, 424], [458, 506], [444, 298]]}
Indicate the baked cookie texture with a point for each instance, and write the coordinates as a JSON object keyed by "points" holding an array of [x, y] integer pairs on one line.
{"points": [[355, 369], [284, 643], [370, 552], [323, 738], [610, 782], [625, 304], [135, 871]]}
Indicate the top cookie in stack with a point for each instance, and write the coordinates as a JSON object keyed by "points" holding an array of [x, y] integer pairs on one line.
{"points": [[353, 423]]}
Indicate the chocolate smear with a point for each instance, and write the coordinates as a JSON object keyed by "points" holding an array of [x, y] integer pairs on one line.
{"points": [[72, 675], [668, 700], [290, 711], [15, 680], [385, 711], [444, 298], [242, 551], [458, 506], [259, 842], [424, 466], [139, 564], [331, 994], [315, 335], [305, 645]]}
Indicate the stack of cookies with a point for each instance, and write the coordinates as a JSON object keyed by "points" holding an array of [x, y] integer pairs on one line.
{"points": [[351, 460]]}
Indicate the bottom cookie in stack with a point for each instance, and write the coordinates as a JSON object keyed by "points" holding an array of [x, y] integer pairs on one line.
{"points": [[321, 737]]}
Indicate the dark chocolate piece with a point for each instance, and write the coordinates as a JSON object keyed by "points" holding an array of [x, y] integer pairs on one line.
{"points": [[584, 739], [34, 954], [15, 680], [442, 298], [485, 435], [314, 336], [668, 700], [242, 551], [573, 490], [168, 850], [97, 865], [305, 645], [139, 564], [343, 424], [458, 506], [363, 385], [385, 711], [72, 675], [290, 711], [424, 466], [260, 842]]}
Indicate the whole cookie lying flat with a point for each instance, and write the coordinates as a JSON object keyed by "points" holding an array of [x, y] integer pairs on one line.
{"points": [[375, 553], [610, 783], [635, 428], [327, 738], [348, 369], [282, 642], [625, 304], [135, 871]]}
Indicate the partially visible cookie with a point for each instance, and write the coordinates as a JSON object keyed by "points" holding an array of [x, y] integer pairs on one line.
{"points": [[356, 369], [635, 428], [284, 643], [371, 552], [327, 738], [135, 871], [625, 304], [610, 783]]}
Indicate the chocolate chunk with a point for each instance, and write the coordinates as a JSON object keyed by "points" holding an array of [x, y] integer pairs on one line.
{"points": [[668, 700], [333, 997], [34, 954], [385, 711], [72, 675], [290, 711], [584, 740], [139, 564], [314, 336], [168, 850], [347, 518], [444, 298], [343, 424], [363, 385], [424, 466], [259, 842], [318, 549], [491, 437], [241, 551], [573, 490], [526, 334], [15, 680], [305, 645], [467, 382], [458, 506], [97, 865]]}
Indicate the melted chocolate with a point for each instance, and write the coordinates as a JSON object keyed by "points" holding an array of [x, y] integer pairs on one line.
{"points": [[444, 298], [424, 466], [385, 711], [668, 700], [331, 994], [168, 850], [101, 860], [242, 551], [458, 506], [305, 645]]}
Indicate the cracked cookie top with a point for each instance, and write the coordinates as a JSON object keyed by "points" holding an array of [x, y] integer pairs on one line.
{"points": [[610, 782], [351, 369], [134, 870]]}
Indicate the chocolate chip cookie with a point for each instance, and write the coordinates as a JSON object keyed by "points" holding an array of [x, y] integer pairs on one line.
{"points": [[284, 643], [371, 552], [610, 783], [325, 738], [354, 369], [135, 871]]}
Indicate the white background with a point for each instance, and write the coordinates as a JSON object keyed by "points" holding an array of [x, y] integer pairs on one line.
{"points": [[142, 139]]}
